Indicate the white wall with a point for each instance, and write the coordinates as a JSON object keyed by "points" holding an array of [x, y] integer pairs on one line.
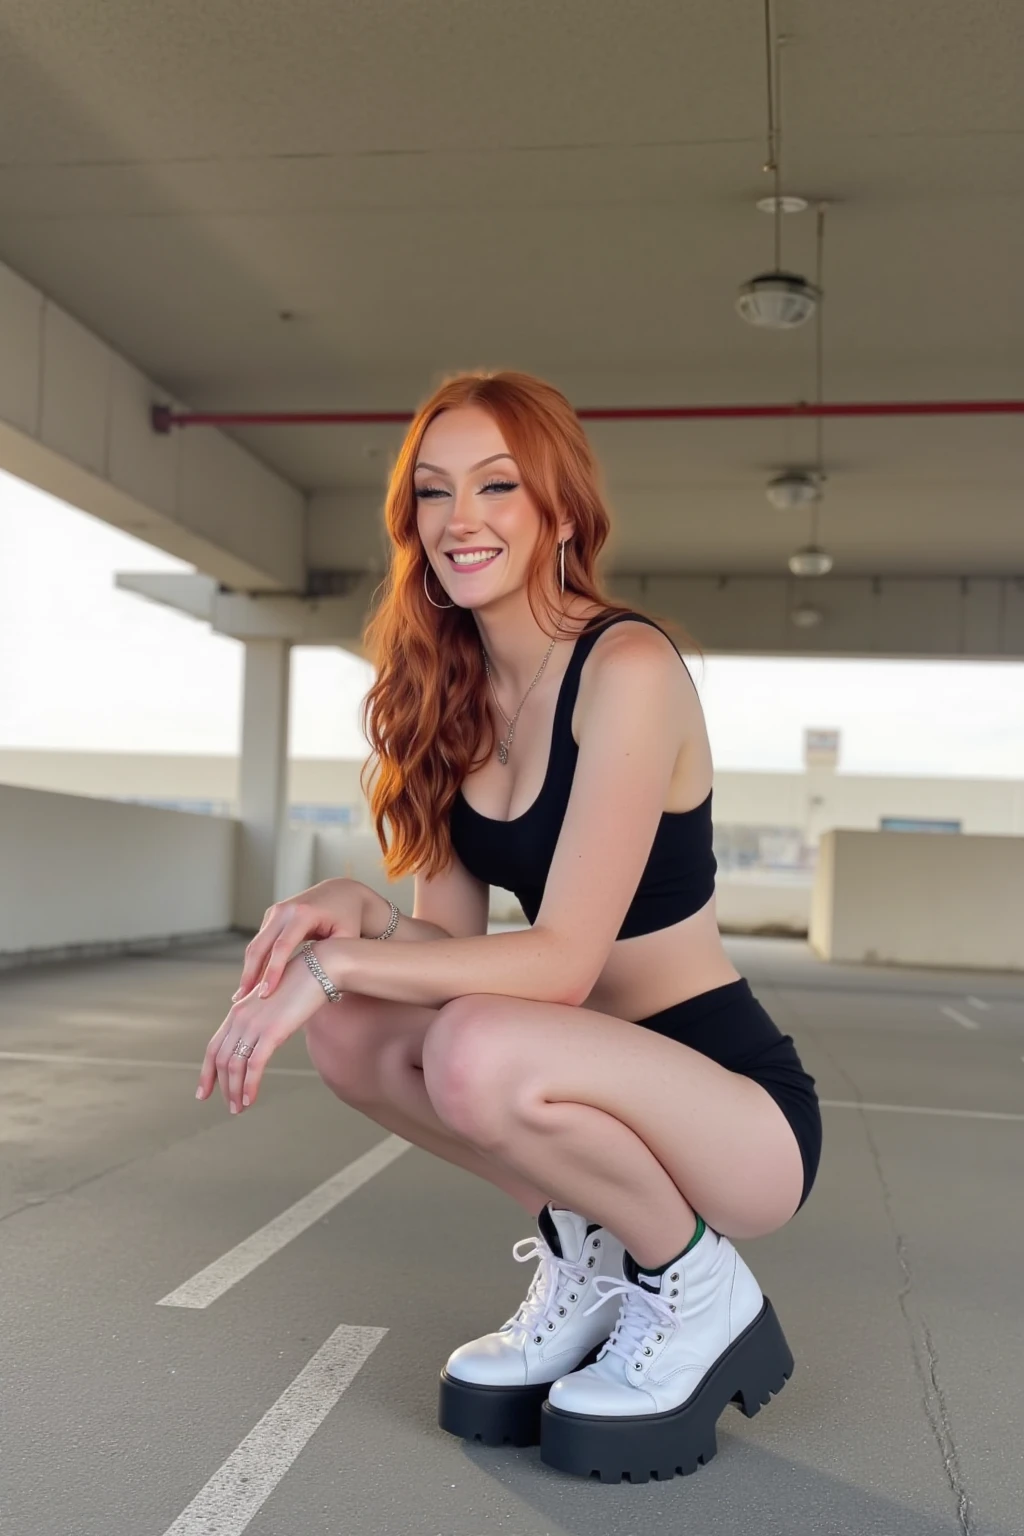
{"points": [[358, 856], [75, 871], [741, 799], [752, 901], [907, 898], [860, 800]]}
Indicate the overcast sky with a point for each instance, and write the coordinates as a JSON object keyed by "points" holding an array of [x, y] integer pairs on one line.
{"points": [[85, 666]]}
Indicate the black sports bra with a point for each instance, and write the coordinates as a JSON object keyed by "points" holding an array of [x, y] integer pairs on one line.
{"points": [[679, 877]]}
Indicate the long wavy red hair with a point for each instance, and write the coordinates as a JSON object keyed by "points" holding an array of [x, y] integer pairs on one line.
{"points": [[426, 716]]}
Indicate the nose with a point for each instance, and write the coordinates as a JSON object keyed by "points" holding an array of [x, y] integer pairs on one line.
{"points": [[464, 518]]}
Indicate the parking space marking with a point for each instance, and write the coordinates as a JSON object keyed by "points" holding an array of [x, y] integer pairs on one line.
{"points": [[65, 1059], [922, 1109], [979, 1002], [239, 1488], [959, 1018], [240, 1261]]}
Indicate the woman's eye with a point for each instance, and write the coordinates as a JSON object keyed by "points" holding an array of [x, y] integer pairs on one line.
{"points": [[429, 492], [500, 485]]}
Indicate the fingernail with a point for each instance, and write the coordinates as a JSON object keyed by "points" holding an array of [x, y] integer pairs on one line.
{"points": [[234, 1109], [245, 1100], [199, 1093], [236, 995], [265, 989]]}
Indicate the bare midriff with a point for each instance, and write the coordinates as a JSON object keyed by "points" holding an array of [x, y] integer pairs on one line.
{"points": [[645, 974]]}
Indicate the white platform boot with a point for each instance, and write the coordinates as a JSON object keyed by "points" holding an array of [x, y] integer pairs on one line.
{"points": [[687, 1342], [492, 1389]]}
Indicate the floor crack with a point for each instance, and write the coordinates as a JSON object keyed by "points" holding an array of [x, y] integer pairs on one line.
{"points": [[922, 1345]]}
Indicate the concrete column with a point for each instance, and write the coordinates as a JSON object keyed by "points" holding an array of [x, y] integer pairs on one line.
{"points": [[262, 787]]}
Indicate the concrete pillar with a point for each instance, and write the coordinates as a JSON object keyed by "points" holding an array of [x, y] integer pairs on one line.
{"points": [[262, 786]]}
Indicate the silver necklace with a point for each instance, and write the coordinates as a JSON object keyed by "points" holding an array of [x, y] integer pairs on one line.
{"points": [[503, 746]]}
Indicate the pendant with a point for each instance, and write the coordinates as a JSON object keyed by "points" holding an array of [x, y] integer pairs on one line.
{"points": [[503, 752]]}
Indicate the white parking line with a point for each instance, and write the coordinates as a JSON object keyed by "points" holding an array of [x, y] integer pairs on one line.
{"points": [[223, 1273], [64, 1059], [238, 1489], [979, 1002], [922, 1109], [959, 1018]]}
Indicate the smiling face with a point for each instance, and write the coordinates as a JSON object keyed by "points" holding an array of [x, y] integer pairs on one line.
{"points": [[478, 523]]}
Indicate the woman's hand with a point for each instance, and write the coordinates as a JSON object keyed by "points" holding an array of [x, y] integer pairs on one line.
{"points": [[264, 1024], [331, 910]]}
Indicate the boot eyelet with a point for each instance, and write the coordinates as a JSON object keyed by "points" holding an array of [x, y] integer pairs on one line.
{"points": [[596, 1243], [551, 1327], [591, 1262], [583, 1280], [671, 1306], [674, 1277], [648, 1350], [659, 1337], [573, 1296], [561, 1311], [674, 1292], [638, 1365], [537, 1339]]}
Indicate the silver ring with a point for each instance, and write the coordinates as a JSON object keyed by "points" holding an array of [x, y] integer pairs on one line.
{"points": [[242, 1049]]}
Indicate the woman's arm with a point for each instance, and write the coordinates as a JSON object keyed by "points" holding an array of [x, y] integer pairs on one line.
{"points": [[632, 726], [531, 964]]}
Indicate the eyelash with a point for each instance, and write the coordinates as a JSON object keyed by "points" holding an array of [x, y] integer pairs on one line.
{"points": [[432, 492]]}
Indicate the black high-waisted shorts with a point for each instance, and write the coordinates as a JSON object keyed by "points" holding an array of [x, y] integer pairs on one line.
{"points": [[729, 1025]]}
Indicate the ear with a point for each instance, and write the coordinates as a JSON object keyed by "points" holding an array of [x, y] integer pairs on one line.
{"points": [[566, 530]]}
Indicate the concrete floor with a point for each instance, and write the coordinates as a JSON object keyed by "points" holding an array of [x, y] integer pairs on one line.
{"points": [[899, 1285]]}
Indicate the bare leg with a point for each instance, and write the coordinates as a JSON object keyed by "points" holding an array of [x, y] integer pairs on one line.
{"points": [[369, 1051], [634, 1129]]}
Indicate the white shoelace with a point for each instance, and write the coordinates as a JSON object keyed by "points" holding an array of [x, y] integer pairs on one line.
{"points": [[543, 1299], [642, 1316]]}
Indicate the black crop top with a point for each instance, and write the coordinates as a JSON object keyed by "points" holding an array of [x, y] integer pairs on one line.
{"points": [[679, 877]]}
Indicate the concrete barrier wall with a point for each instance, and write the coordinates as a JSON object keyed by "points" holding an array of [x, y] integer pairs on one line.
{"points": [[357, 855], [908, 898], [78, 872], [763, 903]]}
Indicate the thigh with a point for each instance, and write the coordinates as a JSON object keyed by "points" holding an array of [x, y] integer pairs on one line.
{"points": [[721, 1137], [356, 1042]]}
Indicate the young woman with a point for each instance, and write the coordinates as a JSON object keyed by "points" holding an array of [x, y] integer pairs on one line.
{"points": [[607, 1066]]}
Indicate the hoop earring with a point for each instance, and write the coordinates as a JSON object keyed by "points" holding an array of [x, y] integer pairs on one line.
{"points": [[427, 594]]}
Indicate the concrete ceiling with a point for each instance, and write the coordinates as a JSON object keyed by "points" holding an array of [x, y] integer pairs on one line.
{"points": [[566, 186]]}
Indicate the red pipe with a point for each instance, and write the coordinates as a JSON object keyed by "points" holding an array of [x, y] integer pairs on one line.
{"points": [[163, 418]]}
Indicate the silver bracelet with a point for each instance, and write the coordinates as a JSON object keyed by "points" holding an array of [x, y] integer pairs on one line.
{"points": [[393, 924], [319, 972]]}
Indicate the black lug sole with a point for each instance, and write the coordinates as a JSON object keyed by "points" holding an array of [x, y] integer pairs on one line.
{"points": [[753, 1369], [495, 1415]]}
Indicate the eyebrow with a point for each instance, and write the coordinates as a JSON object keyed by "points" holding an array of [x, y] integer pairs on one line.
{"points": [[438, 471]]}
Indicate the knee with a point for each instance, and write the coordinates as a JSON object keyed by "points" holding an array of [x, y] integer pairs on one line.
{"points": [[466, 1072], [344, 1047]]}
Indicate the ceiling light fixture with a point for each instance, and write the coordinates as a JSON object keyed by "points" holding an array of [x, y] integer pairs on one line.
{"points": [[776, 300], [806, 616], [787, 203], [793, 490], [810, 561]]}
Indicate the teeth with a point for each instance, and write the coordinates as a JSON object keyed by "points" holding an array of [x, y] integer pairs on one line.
{"points": [[475, 559]]}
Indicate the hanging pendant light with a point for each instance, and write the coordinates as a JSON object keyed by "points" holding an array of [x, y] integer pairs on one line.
{"points": [[776, 300], [793, 490], [806, 616], [812, 560]]}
